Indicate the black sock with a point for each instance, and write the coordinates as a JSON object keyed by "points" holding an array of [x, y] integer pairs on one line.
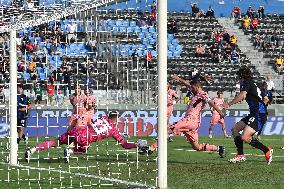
{"points": [[18, 140], [24, 137], [239, 144], [255, 143]]}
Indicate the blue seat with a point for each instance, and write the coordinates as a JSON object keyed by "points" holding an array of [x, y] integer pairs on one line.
{"points": [[137, 29], [26, 76], [152, 29], [144, 29], [132, 23], [176, 54], [39, 70], [170, 54], [141, 35], [154, 53], [42, 76]]}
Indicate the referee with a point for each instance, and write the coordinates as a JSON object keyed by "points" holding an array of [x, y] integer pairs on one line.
{"points": [[23, 107]]}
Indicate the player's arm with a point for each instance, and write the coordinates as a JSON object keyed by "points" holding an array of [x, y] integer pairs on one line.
{"points": [[215, 107], [182, 81], [237, 99]]}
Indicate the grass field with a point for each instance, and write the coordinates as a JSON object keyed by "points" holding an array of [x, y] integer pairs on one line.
{"points": [[109, 166]]}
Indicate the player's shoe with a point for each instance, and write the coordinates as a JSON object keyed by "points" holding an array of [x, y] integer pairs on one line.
{"points": [[268, 156], [66, 155], [238, 158], [282, 148], [221, 151], [28, 155], [227, 136]]}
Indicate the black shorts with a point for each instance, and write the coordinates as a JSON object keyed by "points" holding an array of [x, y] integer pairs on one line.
{"points": [[255, 121], [22, 122]]}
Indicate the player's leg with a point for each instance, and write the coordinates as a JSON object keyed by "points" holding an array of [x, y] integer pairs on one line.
{"points": [[224, 128], [169, 113], [239, 157], [255, 125], [211, 130], [21, 124], [39, 147], [192, 138]]}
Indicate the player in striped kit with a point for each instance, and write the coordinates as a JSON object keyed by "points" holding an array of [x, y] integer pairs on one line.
{"points": [[90, 103], [172, 95], [190, 124], [218, 101], [78, 101]]}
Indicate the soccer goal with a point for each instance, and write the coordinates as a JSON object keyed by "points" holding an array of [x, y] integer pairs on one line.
{"points": [[80, 64]]}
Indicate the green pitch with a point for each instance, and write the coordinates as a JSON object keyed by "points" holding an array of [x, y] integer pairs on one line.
{"points": [[107, 165]]}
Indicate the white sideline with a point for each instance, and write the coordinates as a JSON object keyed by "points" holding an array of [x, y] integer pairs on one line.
{"points": [[258, 155], [84, 175]]}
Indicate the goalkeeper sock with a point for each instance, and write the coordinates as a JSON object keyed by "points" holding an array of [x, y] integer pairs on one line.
{"points": [[239, 144]]}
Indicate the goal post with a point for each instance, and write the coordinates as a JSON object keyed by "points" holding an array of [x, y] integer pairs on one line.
{"points": [[162, 93], [13, 99]]}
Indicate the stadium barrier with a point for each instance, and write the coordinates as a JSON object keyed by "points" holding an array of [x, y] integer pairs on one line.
{"points": [[134, 123]]}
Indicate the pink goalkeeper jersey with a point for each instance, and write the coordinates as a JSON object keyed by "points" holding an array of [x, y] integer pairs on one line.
{"points": [[171, 94], [78, 103], [197, 103], [219, 102], [104, 127]]}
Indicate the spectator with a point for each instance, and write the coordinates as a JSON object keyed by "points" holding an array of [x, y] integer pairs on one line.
{"points": [[172, 26], [195, 10], [236, 13], [226, 36], [2, 95], [21, 66], [250, 12], [50, 92], [93, 44], [61, 38], [32, 65], [233, 41], [30, 5], [50, 70], [154, 6], [270, 88], [235, 57], [257, 41], [275, 38], [279, 63], [246, 23], [38, 93], [59, 97], [210, 13], [254, 24], [67, 81], [200, 51], [72, 28], [260, 12]]}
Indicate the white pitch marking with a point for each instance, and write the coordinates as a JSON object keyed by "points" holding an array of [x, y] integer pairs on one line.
{"points": [[85, 175]]}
